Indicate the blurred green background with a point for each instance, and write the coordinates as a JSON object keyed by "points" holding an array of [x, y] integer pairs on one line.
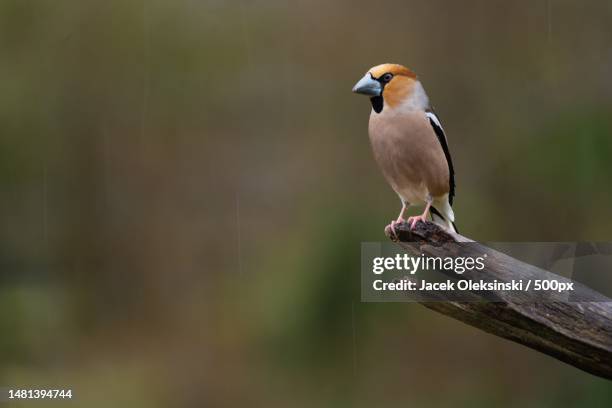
{"points": [[185, 186]]}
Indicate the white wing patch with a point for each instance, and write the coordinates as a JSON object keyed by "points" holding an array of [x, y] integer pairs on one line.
{"points": [[435, 119]]}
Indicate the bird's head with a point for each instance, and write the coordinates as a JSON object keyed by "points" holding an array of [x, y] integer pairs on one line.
{"points": [[388, 84]]}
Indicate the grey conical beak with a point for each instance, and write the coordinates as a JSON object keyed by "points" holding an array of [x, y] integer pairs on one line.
{"points": [[368, 86]]}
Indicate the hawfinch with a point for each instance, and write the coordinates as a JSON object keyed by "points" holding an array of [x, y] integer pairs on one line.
{"points": [[409, 144]]}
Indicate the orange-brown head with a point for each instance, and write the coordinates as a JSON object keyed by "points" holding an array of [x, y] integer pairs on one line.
{"points": [[387, 84]]}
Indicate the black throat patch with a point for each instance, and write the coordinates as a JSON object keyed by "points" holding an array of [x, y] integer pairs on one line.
{"points": [[377, 103]]}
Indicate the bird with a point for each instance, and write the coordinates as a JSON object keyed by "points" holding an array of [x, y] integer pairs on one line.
{"points": [[409, 145]]}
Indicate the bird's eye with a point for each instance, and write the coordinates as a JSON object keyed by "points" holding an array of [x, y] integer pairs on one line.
{"points": [[387, 77]]}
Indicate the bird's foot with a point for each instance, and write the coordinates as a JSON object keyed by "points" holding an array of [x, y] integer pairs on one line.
{"points": [[413, 220], [392, 225]]}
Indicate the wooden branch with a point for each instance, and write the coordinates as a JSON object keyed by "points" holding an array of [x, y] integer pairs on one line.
{"points": [[577, 332]]}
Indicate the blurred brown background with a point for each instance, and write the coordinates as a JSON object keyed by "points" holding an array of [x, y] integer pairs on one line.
{"points": [[185, 186]]}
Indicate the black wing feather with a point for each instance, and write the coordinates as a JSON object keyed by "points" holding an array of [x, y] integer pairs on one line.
{"points": [[442, 139]]}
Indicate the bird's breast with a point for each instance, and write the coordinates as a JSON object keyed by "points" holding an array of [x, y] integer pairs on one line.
{"points": [[409, 154]]}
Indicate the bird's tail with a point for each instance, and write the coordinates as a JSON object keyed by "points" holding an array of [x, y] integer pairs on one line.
{"points": [[443, 215]]}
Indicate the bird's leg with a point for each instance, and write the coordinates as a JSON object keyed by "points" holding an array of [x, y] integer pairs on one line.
{"points": [[422, 217], [400, 219]]}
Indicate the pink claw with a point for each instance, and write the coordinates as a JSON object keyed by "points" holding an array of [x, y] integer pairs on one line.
{"points": [[392, 226], [413, 220]]}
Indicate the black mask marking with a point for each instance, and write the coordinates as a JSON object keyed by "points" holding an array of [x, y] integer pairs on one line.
{"points": [[378, 101]]}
